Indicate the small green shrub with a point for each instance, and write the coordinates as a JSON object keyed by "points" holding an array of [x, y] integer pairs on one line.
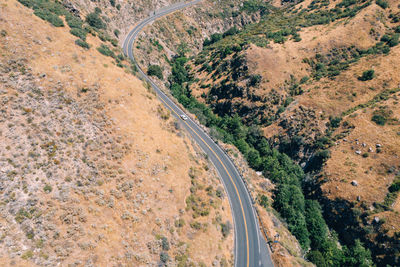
{"points": [[73, 21], [47, 188], [254, 80], [382, 3], [226, 228], [367, 75], [164, 243], [82, 43], [195, 225], [95, 21], [180, 223], [27, 255], [105, 50], [264, 201], [79, 33], [164, 257], [395, 186]]}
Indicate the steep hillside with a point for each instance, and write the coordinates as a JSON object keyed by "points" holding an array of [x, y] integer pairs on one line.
{"points": [[319, 82], [94, 171], [161, 40]]}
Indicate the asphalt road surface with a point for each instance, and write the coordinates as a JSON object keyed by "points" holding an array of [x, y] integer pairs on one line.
{"points": [[250, 246]]}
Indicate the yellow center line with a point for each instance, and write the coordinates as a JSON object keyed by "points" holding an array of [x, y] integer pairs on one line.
{"points": [[237, 191]]}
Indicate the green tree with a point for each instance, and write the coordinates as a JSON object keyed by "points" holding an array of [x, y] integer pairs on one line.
{"points": [[357, 255], [315, 224], [317, 258]]}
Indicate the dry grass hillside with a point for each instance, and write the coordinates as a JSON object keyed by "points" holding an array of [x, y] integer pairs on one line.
{"points": [[93, 170]]}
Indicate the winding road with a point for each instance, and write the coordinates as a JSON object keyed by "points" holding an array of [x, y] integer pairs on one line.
{"points": [[250, 246]]}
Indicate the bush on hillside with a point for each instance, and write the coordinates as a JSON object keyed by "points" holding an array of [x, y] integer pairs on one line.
{"points": [[82, 43], [105, 50], [95, 21], [382, 3], [50, 17], [367, 75], [79, 33], [155, 70]]}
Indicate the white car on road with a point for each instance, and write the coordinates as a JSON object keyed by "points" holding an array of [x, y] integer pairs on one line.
{"points": [[184, 117]]}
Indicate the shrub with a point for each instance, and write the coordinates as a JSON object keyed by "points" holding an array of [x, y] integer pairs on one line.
{"points": [[112, 2], [97, 10], [50, 17], [79, 33], [226, 228], [213, 39], [381, 116], [155, 70], [95, 21], [164, 257], [395, 186], [164, 243], [304, 79], [382, 3], [378, 119], [82, 43], [394, 40], [255, 80], [47, 188], [263, 201], [195, 225], [116, 32], [231, 31], [73, 21], [105, 50], [27, 255], [180, 223], [334, 122], [367, 75]]}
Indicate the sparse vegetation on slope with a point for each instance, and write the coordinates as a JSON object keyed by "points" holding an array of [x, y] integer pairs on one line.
{"points": [[94, 170]]}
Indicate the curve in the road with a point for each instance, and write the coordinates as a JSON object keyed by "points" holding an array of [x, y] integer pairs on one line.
{"points": [[250, 247]]}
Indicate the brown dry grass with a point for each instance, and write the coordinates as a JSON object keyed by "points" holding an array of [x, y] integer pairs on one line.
{"points": [[372, 173], [156, 145]]}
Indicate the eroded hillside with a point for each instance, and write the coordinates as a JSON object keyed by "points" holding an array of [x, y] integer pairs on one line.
{"points": [[94, 171]]}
